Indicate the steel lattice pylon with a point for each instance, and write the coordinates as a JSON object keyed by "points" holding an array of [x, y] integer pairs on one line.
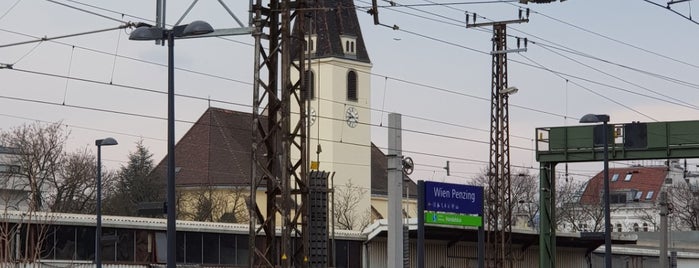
{"points": [[277, 135], [499, 195]]}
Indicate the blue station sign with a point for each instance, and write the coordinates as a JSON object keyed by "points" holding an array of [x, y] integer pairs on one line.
{"points": [[453, 198]]}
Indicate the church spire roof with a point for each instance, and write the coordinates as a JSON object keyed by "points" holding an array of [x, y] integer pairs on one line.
{"points": [[335, 26]]}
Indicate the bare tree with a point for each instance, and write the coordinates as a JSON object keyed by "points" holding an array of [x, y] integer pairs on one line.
{"points": [[525, 194], [39, 152], [347, 200], [235, 210], [581, 214], [202, 204], [38, 176], [74, 189], [32, 229], [685, 206], [212, 204], [574, 215], [524, 189]]}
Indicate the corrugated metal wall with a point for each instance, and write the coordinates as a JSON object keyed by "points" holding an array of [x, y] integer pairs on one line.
{"points": [[464, 255]]}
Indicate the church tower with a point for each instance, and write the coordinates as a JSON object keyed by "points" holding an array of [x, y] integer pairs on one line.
{"points": [[339, 96]]}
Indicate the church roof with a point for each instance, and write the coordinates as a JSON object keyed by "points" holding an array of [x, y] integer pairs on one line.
{"points": [[216, 151], [379, 174], [330, 20]]}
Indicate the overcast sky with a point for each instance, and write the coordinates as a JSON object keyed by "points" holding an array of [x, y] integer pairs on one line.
{"points": [[627, 58]]}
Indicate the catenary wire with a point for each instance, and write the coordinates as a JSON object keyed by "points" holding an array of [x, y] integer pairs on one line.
{"points": [[9, 9], [689, 18], [435, 39], [592, 91], [610, 38]]}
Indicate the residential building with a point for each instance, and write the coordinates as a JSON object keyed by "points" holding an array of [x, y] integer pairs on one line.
{"points": [[634, 197], [14, 192]]}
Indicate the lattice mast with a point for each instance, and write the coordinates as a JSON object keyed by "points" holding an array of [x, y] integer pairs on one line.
{"points": [[277, 135], [499, 193], [499, 190]]}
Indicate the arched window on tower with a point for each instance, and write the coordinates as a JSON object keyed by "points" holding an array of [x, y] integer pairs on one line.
{"points": [[635, 227], [645, 227], [618, 227], [310, 87], [352, 85]]}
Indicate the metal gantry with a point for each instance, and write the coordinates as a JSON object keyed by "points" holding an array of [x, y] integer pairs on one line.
{"points": [[277, 136], [630, 141]]}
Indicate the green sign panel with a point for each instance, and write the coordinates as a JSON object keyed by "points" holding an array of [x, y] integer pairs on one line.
{"points": [[453, 219]]}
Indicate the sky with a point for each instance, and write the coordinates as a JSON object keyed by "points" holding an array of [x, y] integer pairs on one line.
{"points": [[629, 59]]}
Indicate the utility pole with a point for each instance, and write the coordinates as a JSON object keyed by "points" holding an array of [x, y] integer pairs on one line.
{"points": [[276, 137], [499, 192], [395, 188], [663, 229]]}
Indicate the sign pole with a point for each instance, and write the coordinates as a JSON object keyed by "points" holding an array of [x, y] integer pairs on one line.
{"points": [[420, 224], [481, 243]]}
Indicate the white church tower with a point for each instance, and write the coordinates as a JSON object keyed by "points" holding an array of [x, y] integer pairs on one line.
{"points": [[340, 100]]}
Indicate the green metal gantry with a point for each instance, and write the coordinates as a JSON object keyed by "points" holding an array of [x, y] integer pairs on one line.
{"points": [[633, 141]]}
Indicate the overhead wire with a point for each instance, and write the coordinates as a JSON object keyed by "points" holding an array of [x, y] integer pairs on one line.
{"points": [[676, 101], [401, 80], [150, 90], [394, 4], [132, 58], [249, 83], [544, 68], [673, 11], [83, 127], [42, 39], [592, 91], [596, 58], [9, 9], [441, 4], [86, 11], [140, 115], [655, 75], [528, 167], [608, 61], [206, 99], [606, 37], [425, 133], [139, 18]]}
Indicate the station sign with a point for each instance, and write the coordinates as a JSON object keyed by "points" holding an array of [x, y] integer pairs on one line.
{"points": [[453, 198]]}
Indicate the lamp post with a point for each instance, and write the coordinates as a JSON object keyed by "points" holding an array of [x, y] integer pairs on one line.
{"points": [[603, 118], [149, 33], [98, 229]]}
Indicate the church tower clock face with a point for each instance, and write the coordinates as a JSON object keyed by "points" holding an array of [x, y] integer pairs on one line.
{"points": [[352, 117]]}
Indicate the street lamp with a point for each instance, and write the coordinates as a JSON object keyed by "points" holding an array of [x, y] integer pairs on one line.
{"points": [[603, 118], [509, 90], [149, 33], [98, 229]]}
